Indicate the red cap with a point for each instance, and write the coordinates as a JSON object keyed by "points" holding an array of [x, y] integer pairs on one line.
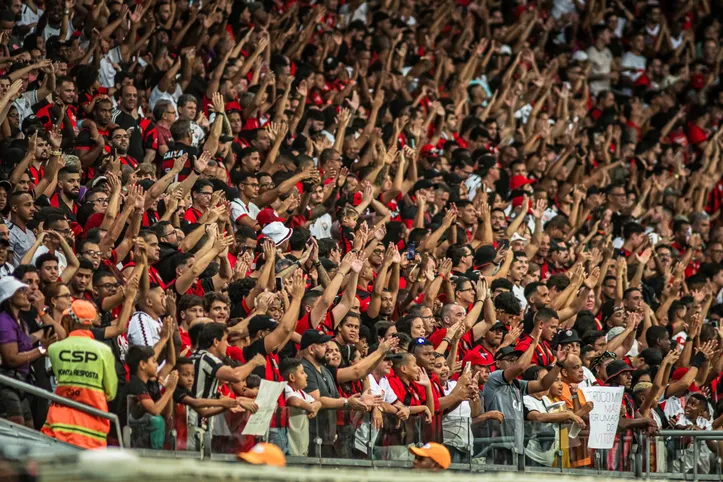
{"points": [[429, 150], [477, 358], [356, 199], [518, 181], [268, 216]]}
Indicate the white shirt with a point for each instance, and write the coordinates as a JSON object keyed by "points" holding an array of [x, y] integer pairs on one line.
{"points": [[456, 425], [24, 104], [362, 436], [601, 63], [197, 134], [239, 210], [28, 17], [50, 31], [519, 292], [638, 62], [143, 330], [321, 227], [157, 95], [107, 71], [291, 393], [563, 7]]}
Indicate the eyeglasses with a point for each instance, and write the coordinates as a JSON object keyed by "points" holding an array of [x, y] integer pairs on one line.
{"points": [[66, 295], [94, 254], [168, 234], [204, 194]]}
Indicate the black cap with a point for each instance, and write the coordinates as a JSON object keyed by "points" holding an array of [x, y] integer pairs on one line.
{"points": [[507, 351], [422, 184], [484, 255], [616, 367], [567, 336], [259, 323], [313, 337], [498, 326]]}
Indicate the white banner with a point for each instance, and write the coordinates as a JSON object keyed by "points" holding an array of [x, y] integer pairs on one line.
{"points": [[258, 423], [604, 416]]}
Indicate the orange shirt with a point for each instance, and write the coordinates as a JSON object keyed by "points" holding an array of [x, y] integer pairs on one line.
{"points": [[579, 455]]}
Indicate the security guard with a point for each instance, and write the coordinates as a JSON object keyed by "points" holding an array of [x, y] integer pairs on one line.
{"points": [[85, 372]]}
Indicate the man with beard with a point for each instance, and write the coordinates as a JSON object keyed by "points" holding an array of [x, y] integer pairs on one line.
{"points": [[68, 192], [249, 160], [81, 281], [94, 138], [120, 142], [147, 243], [491, 342], [498, 220], [39, 163], [540, 258], [126, 117], [559, 259], [168, 246], [321, 205]]}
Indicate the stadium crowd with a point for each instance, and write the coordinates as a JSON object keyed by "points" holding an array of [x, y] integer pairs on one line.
{"points": [[460, 212]]}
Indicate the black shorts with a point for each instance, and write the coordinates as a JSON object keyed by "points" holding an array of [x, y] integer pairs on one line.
{"points": [[14, 404]]}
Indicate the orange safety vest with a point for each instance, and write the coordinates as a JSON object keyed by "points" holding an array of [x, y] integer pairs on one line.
{"points": [[85, 372]]}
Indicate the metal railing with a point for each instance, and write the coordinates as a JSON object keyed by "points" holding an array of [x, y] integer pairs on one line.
{"points": [[40, 393]]}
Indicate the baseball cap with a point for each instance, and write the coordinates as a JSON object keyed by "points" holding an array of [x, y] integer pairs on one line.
{"points": [[267, 216], [507, 351], [82, 312], [259, 323], [615, 331], [616, 367], [419, 341], [498, 326], [313, 337], [7, 185], [567, 336], [518, 181], [478, 358], [422, 184], [264, 454], [434, 451]]}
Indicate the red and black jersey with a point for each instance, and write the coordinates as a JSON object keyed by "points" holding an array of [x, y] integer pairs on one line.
{"points": [[170, 157], [36, 174], [149, 218], [47, 112], [129, 161], [192, 215], [153, 276], [543, 355], [85, 143], [57, 202]]}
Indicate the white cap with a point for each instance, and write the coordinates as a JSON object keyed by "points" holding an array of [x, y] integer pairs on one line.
{"points": [[580, 56], [277, 232], [518, 237], [8, 286], [615, 331], [505, 50]]}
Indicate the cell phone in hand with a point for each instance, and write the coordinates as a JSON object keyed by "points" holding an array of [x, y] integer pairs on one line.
{"points": [[279, 284], [48, 330], [504, 244], [410, 251]]}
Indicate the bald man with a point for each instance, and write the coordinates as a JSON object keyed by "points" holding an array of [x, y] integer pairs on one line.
{"points": [[572, 376]]}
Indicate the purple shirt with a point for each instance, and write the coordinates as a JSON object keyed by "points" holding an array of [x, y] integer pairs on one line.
{"points": [[12, 331]]}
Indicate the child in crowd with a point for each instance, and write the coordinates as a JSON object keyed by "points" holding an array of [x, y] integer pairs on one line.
{"points": [[148, 409], [301, 405], [205, 407]]}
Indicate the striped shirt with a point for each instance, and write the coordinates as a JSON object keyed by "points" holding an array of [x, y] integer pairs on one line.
{"points": [[205, 383], [143, 330]]}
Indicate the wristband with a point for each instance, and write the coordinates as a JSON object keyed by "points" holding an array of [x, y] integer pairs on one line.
{"points": [[196, 171], [698, 360], [447, 340], [346, 402], [559, 365]]}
